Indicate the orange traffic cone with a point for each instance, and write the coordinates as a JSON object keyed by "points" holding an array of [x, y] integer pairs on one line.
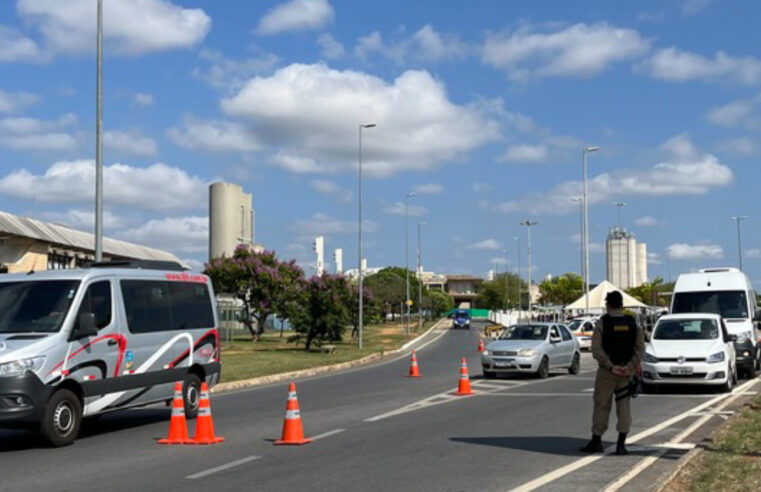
{"points": [[204, 423], [480, 345], [414, 371], [293, 432], [464, 387], [178, 428]]}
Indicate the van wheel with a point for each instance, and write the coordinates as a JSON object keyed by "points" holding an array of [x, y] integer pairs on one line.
{"points": [[544, 368], [575, 364], [63, 418], [191, 395]]}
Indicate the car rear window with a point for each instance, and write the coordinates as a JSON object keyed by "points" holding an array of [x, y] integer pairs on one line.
{"points": [[155, 305]]}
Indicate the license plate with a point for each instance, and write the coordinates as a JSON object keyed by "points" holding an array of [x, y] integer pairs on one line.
{"points": [[504, 363], [681, 370]]}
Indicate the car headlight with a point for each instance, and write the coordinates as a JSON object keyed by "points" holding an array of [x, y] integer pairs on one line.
{"points": [[717, 357], [485, 352], [19, 367], [527, 352], [650, 358]]}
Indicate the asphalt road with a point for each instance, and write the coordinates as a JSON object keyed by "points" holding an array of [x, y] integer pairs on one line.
{"points": [[377, 430]]}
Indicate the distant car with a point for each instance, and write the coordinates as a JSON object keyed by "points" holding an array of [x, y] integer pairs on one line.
{"points": [[692, 348], [582, 329], [461, 319], [532, 348]]}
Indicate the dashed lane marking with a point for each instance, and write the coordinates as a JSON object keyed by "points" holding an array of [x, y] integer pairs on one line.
{"points": [[328, 434], [224, 467]]}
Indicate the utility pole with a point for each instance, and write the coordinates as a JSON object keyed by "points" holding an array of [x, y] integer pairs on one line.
{"points": [[580, 200], [529, 224], [359, 228], [518, 254], [420, 277], [739, 219], [504, 256], [408, 301], [99, 139]]}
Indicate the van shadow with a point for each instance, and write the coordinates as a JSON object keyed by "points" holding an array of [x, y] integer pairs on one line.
{"points": [[19, 440], [561, 446]]}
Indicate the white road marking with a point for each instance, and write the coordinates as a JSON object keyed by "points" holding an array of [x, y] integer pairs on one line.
{"points": [[220, 468], [328, 434], [547, 395], [581, 463]]}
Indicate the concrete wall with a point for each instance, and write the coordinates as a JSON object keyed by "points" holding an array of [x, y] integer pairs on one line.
{"points": [[231, 219]]}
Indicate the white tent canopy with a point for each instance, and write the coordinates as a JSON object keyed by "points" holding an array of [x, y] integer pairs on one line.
{"points": [[597, 299]]}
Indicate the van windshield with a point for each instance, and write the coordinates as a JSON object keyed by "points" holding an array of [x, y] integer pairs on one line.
{"points": [[727, 303], [35, 306]]}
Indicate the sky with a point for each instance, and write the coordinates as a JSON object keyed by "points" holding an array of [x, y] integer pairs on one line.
{"points": [[482, 113]]}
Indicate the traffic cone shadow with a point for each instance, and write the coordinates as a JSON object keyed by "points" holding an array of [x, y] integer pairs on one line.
{"points": [[204, 422], [178, 427], [293, 431], [463, 389]]}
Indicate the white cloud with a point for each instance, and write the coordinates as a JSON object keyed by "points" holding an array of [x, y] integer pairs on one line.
{"points": [[692, 7], [674, 65], [418, 128], [497, 260], [486, 244], [155, 187], [321, 224], [14, 46], [84, 219], [229, 74], [428, 189], [753, 253], [175, 234], [31, 134], [131, 142], [480, 187], [330, 188], [579, 50], [742, 146], [685, 171], [143, 99], [398, 209], [212, 136], [654, 259], [329, 47], [129, 28], [593, 246], [296, 15], [424, 45], [646, 221], [682, 251], [741, 113], [12, 102], [525, 153]]}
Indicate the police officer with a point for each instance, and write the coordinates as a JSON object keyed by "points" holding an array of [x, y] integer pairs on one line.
{"points": [[617, 345]]}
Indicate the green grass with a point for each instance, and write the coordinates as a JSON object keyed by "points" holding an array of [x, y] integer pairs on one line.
{"points": [[732, 462], [243, 359]]}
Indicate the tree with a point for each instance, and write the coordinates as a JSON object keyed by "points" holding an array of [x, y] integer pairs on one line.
{"points": [[562, 290], [388, 288], [649, 292], [264, 284], [504, 288], [324, 314], [437, 302]]}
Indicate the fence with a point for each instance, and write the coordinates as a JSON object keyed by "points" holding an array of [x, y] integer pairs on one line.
{"points": [[230, 313]]}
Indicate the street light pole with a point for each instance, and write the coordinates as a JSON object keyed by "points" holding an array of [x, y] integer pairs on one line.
{"points": [[99, 139], [739, 219], [529, 224], [419, 277], [359, 227], [504, 257], [581, 233], [406, 255], [586, 224], [518, 255]]}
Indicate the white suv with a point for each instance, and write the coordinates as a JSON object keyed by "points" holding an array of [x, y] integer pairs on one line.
{"points": [[692, 348]]}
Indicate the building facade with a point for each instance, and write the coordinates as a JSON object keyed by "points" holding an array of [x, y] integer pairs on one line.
{"points": [[626, 259], [231, 219]]}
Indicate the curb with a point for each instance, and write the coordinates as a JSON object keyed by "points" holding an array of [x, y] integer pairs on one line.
{"points": [[285, 376]]}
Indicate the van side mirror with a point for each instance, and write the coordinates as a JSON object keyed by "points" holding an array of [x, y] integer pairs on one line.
{"points": [[85, 326]]}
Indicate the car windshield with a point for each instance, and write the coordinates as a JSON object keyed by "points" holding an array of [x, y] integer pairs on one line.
{"points": [[687, 329], [525, 332], [728, 304], [465, 315], [35, 306], [575, 324]]}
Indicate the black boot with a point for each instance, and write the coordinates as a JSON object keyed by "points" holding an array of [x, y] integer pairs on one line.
{"points": [[621, 444], [593, 446]]}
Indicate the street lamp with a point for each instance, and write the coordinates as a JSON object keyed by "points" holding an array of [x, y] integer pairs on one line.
{"points": [[584, 153], [406, 254], [529, 224], [359, 227], [518, 265], [739, 219], [504, 257], [580, 200], [419, 277]]}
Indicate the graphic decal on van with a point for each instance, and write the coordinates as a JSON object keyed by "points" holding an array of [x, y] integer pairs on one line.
{"points": [[211, 337], [121, 340]]}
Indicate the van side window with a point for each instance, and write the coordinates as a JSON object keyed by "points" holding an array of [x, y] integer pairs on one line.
{"points": [[190, 306], [147, 304], [97, 300]]}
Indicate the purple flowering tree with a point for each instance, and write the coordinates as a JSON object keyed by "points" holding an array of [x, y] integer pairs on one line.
{"points": [[324, 314], [264, 284]]}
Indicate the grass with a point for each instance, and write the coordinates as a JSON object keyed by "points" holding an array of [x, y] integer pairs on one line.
{"points": [[243, 359], [732, 461]]}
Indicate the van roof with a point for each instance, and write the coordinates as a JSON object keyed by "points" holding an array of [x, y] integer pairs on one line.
{"points": [[713, 279], [88, 273]]}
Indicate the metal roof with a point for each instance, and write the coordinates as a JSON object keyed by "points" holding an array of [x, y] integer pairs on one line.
{"points": [[65, 236]]}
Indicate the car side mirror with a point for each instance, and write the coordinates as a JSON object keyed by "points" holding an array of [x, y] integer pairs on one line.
{"points": [[731, 338], [85, 326], [555, 339]]}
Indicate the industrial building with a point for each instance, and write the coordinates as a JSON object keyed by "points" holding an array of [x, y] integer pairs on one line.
{"points": [[626, 259], [231, 219], [33, 245]]}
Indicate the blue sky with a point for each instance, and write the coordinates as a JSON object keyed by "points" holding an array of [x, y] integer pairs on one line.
{"points": [[484, 113]]}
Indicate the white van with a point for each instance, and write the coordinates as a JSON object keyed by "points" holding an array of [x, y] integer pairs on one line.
{"points": [[728, 293], [114, 335]]}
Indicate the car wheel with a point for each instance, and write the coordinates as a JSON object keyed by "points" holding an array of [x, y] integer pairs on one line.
{"points": [[62, 419], [544, 368], [489, 375], [575, 367], [191, 395], [731, 378]]}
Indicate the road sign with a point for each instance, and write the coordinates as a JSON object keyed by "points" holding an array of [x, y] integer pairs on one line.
{"points": [[409, 302]]}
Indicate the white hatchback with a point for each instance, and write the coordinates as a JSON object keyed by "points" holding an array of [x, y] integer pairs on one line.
{"points": [[692, 348]]}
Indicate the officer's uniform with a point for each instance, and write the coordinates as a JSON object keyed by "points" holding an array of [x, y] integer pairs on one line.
{"points": [[616, 341]]}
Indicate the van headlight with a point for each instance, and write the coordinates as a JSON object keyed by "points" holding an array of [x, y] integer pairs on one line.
{"points": [[650, 358], [527, 352], [717, 357], [19, 367]]}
